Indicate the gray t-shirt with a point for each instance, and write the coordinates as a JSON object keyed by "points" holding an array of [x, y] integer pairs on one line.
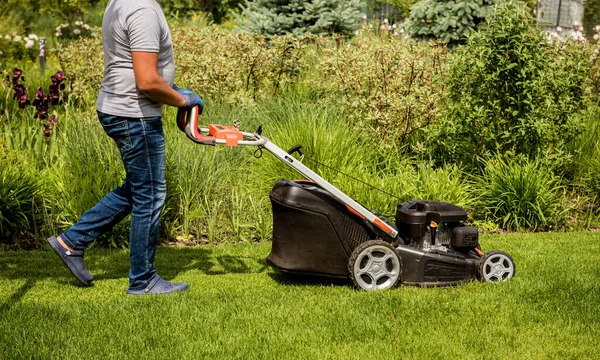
{"points": [[132, 25]]}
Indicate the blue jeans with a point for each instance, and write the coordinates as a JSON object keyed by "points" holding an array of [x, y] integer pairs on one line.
{"points": [[141, 142]]}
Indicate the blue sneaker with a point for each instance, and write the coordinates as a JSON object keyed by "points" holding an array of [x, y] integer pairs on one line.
{"points": [[73, 259], [158, 286]]}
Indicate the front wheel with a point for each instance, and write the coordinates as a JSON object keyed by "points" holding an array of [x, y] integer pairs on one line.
{"points": [[375, 265], [496, 266]]}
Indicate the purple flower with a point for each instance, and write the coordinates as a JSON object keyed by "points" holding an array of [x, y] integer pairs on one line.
{"points": [[60, 76], [47, 130], [17, 73], [23, 101], [53, 120]]}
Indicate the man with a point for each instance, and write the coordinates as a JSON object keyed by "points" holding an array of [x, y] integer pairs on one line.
{"points": [[138, 80]]}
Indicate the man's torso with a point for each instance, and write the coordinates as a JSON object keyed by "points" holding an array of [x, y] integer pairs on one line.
{"points": [[132, 25]]}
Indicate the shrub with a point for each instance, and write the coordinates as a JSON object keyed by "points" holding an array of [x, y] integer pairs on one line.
{"points": [[586, 164], [387, 87], [299, 17], [20, 194], [449, 21], [219, 10], [510, 90], [521, 194], [18, 47]]}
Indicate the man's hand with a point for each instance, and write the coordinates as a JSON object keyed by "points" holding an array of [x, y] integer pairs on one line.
{"points": [[191, 99]]}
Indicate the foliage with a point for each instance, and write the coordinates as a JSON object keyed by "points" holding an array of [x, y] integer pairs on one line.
{"points": [[521, 194], [41, 102], [75, 30], [388, 88], [299, 17], [69, 10], [402, 6], [219, 10], [20, 194], [510, 90], [449, 21], [586, 164], [13, 46], [591, 16]]}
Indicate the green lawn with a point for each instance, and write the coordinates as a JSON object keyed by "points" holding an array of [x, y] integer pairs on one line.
{"points": [[238, 308]]}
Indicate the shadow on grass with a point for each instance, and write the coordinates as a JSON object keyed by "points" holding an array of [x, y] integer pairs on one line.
{"points": [[292, 279], [114, 264], [18, 295]]}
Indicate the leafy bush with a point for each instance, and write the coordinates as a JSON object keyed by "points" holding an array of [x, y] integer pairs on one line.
{"points": [[219, 10], [510, 90], [586, 164], [20, 194], [521, 194], [299, 17], [387, 87], [19, 47], [449, 21]]}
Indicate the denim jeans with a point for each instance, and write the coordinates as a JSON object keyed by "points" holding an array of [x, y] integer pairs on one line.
{"points": [[141, 142]]}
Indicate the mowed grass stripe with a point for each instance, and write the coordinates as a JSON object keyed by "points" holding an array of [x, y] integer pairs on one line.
{"points": [[239, 308]]}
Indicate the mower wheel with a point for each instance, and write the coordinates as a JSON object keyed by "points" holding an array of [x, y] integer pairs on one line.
{"points": [[375, 265], [496, 266]]}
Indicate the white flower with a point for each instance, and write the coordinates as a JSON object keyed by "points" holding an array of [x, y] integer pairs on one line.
{"points": [[8, 37], [86, 26], [558, 29], [597, 28], [356, 32], [33, 37], [94, 34], [390, 28], [1, 53], [596, 37], [78, 23], [58, 34], [382, 27], [63, 25], [17, 38], [385, 21], [394, 26], [76, 31], [401, 31], [29, 44], [364, 17]]}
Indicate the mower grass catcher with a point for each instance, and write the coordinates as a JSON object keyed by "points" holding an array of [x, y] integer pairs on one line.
{"points": [[319, 230]]}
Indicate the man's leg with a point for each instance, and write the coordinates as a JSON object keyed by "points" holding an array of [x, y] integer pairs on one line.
{"points": [[145, 167]]}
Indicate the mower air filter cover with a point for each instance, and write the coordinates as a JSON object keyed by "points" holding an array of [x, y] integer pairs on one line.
{"points": [[464, 237]]}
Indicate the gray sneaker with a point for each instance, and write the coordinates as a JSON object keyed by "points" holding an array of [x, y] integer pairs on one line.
{"points": [[158, 286]]}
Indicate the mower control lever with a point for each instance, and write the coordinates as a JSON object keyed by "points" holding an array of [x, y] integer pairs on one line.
{"points": [[295, 148]]}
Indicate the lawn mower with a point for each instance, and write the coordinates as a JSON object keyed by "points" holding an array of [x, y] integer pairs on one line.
{"points": [[319, 230]]}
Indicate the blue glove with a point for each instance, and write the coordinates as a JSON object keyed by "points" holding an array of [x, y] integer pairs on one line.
{"points": [[191, 99]]}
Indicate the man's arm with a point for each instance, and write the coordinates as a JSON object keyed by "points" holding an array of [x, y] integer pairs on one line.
{"points": [[149, 81]]}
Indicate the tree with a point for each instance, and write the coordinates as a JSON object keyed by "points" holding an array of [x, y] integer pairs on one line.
{"points": [[446, 20], [298, 17]]}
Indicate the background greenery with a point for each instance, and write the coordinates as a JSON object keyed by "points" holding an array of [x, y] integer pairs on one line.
{"points": [[505, 126]]}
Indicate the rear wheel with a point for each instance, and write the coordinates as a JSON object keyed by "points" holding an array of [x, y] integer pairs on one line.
{"points": [[375, 265], [496, 266]]}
